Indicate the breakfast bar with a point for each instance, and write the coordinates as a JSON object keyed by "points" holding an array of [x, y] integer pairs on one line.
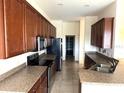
{"points": [[98, 81]]}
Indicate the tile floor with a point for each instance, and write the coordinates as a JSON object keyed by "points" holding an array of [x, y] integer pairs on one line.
{"points": [[67, 81]]}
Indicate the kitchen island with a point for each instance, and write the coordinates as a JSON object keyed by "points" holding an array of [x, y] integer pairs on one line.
{"points": [[95, 82], [26, 80]]}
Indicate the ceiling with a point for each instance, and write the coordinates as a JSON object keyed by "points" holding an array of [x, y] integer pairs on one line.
{"points": [[72, 9]]}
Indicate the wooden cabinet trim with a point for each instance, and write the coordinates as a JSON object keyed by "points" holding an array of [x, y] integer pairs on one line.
{"points": [[2, 33]]}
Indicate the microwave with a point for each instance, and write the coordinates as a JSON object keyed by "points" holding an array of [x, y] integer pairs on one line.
{"points": [[40, 43]]}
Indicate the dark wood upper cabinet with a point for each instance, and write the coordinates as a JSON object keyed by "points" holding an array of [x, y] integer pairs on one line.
{"points": [[11, 28], [20, 23], [44, 28], [30, 28], [2, 32], [38, 25], [54, 32], [102, 33], [41, 26]]}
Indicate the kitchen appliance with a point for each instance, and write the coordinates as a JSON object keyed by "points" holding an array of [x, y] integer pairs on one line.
{"points": [[56, 49], [33, 60], [48, 42], [40, 43]]}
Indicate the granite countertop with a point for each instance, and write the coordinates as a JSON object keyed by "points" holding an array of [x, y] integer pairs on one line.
{"points": [[23, 80], [47, 57], [90, 76]]}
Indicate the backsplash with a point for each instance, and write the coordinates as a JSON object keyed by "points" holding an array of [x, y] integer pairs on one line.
{"points": [[10, 64], [107, 52]]}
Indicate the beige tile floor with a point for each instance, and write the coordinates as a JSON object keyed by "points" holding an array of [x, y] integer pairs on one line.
{"points": [[67, 81]]}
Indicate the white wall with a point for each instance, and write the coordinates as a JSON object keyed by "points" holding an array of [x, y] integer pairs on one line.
{"points": [[81, 40], [119, 31], [101, 88], [72, 28], [109, 11], [68, 28], [89, 20], [38, 8], [85, 36], [59, 28]]}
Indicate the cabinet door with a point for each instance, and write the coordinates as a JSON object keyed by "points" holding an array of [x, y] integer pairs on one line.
{"points": [[2, 34], [98, 41], [54, 32], [46, 31], [92, 35], [49, 30], [108, 32], [38, 25], [88, 62], [30, 28], [14, 27], [41, 26], [44, 85], [39, 89], [44, 27], [101, 34]]}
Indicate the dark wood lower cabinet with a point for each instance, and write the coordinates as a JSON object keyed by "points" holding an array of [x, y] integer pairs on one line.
{"points": [[88, 62], [44, 88], [79, 87], [41, 85], [53, 69]]}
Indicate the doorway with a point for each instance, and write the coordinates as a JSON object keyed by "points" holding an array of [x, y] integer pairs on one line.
{"points": [[70, 45]]}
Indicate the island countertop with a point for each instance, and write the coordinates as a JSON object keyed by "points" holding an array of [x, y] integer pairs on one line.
{"points": [[23, 80], [90, 76]]}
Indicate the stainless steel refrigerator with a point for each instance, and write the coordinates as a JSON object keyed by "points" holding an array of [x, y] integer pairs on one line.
{"points": [[56, 48]]}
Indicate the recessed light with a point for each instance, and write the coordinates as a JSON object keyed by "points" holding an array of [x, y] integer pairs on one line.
{"points": [[60, 2], [86, 5]]}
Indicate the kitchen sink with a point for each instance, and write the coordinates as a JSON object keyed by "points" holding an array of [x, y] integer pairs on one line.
{"points": [[102, 68]]}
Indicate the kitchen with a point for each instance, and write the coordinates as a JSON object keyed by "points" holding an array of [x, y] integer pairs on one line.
{"points": [[11, 46]]}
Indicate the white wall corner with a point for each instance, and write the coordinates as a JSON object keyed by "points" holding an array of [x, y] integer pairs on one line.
{"points": [[82, 40], [35, 5]]}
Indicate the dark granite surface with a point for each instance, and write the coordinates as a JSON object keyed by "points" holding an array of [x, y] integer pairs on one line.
{"points": [[47, 57], [98, 59]]}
